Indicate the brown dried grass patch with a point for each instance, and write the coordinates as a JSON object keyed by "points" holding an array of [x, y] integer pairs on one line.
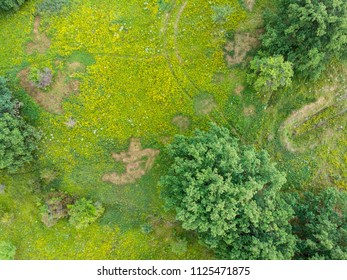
{"points": [[137, 162]]}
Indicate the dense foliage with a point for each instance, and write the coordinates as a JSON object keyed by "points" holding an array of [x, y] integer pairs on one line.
{"points": [[52, 6], [309, 33], [321, 225], [7, 250], [84, 212], [18, 139], [228, 193], [270, 73], [10, 4], [6, 101]]}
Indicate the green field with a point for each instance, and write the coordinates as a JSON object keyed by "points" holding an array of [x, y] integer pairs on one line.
{"points": [[148, 70]]}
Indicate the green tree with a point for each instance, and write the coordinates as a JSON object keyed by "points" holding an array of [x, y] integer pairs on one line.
{"points": [[308, 33], [84, 212], [7, 251], [18, 140], [7, 104], [270, 73], [321, 225], [229, 194], [10, 4]]}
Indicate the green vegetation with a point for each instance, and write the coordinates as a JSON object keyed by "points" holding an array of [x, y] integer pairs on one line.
{"points": [[125, 78], [10, 4], [7, 250], [229, 194], [321, 225], [270, 73], [84, 212], [17, 138], [307, 33]]}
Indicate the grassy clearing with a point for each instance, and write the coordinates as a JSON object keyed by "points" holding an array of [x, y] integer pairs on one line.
{"points": [[140, 65]]}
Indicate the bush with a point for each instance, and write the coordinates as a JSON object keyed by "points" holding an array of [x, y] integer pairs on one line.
{"points": [[41, 78], [270, 73], [7, 103], [221, 13], [84, 212], [10, 4], [7, 251], [55, 208], [52, 6]]}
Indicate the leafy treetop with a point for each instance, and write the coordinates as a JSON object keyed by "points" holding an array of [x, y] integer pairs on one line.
{"points": [[229, 194]]}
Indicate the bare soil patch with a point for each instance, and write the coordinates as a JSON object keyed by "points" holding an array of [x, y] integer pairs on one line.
{"points": [[74, 67], [52, 99], [71, 123], [138, 162], [182, 122], [249, 4], [249, 111], [204, 104], [239, 89], [236, 50], [41, 42]]}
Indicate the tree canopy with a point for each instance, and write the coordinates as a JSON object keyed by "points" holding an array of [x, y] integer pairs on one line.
{"points": [[10, 4], [270, 73], [229, 194], [308, 33], [18, 139], [321, 225]]}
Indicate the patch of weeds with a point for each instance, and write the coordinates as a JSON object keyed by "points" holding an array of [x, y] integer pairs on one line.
{"points": [[51, 6], [82, 57], [41, 78], [146, 228], [165, 6], [221, 13], [230, 35], [55, 208], [179, 247]]}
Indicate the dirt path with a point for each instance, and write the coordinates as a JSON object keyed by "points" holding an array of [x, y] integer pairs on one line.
{"points": [[138, 162], [249, 4], [178, 18], [41, 42]]}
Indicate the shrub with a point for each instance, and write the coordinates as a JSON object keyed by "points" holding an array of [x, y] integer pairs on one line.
{"points": [[41, 78], [51, 6], [270, 73], [55, 208], [10, 4], [7, 250], [7, 103], [221, 13], [84, 212]]}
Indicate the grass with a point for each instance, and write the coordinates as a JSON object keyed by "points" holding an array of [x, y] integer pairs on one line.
{"points": [[142, 65]]}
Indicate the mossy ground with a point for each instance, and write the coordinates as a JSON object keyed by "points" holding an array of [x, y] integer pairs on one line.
{"points": [[143, 63]]}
